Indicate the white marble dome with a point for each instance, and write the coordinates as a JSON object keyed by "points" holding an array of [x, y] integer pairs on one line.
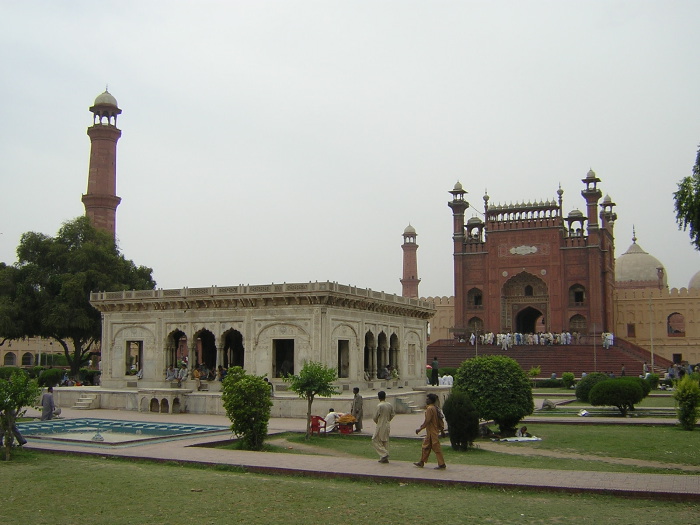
{"points": [[694, 281], [637, 266]]}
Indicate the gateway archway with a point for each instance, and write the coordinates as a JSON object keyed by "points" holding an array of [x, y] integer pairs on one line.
{"points": [[529, 321]]}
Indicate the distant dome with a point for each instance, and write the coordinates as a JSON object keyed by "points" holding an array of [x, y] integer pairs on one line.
{"points": [[458, 186], [590, 174], [637, 269], [694, 281], [106, 98], [475, 220], [575, 213], [410, 230]]}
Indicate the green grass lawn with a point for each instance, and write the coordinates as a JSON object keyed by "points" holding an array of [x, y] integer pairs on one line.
{"points": [[48, 489], [664, 444]]}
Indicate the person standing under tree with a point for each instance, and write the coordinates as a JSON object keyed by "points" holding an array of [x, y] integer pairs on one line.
{"points": [[433, 425], [434, 376], [356, 409], [47, 405], [382, 417]]}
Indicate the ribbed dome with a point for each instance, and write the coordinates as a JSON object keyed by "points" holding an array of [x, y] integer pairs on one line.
{"points": [[474, 220], [575, 213], [410, 230], [106, 98], [694, 281], [636, 268]]}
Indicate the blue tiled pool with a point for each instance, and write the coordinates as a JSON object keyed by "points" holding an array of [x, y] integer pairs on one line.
{"points": [[110, 432]]}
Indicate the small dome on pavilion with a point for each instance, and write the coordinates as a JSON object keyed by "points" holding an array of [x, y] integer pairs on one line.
{"points": [[591, 174], [410, 230], [474, 220], [575, 213], [458, 186], [694, 281], [106, 99]]}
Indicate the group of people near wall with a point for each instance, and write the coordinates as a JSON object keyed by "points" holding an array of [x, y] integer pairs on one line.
{"points": [[508, 339], [199, 374]]}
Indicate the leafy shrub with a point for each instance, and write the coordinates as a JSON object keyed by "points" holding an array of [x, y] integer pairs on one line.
{"points": [[50, 377], [499, 389], [653, 380], [549, 383], [247, 402], [568, 378], [7, 371], [462, 420], [583, 388], [646, 385], [620, 393], [687, 396]]}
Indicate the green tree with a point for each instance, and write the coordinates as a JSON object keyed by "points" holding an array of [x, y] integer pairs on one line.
{"points": [[687, 396], [247, 403], [687, 200], [16, 393], [499, 389], [314, 379], [47, 292], [462, 420], [621, 393]]}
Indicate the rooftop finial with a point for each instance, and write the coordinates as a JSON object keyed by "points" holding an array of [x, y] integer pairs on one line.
{"points": [[634, 235]]}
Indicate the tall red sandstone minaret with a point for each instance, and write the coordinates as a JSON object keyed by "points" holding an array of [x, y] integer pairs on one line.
{"points": [[410, 263], [101, 199]]}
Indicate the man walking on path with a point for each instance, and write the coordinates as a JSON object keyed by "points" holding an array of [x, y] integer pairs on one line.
{"points": [[382, 417], [433, 425], [356, 409]]}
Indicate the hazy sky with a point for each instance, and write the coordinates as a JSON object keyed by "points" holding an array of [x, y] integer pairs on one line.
{"points": [[294, 141]]}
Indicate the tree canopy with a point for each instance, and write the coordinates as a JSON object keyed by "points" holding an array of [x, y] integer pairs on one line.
{"points": [[46, 293], [16, 393], [314, 379], [687, 206]]}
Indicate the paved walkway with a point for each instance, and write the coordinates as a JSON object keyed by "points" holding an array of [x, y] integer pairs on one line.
{"points": [[653, 486]]}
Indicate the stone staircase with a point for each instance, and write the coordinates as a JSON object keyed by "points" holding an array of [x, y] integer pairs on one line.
{"points": [[87, 401], [404, 405]]}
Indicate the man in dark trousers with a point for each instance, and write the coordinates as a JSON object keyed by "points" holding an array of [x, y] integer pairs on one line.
{"points": [[434, 376]]}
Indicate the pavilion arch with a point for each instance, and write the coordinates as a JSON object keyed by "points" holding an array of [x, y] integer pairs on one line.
{"points": [[175, 348], [234, 350], [675, 325], [205, 349], [10, 359], [578, 323], [370, 356], [344, 337], [289, 343], [577, 295], [27, 359], [394, 351], [382, 351]]}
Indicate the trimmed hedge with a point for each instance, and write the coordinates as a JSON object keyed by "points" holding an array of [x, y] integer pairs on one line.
{"points": [[462, 420], [621, 393], [583, 388]]}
